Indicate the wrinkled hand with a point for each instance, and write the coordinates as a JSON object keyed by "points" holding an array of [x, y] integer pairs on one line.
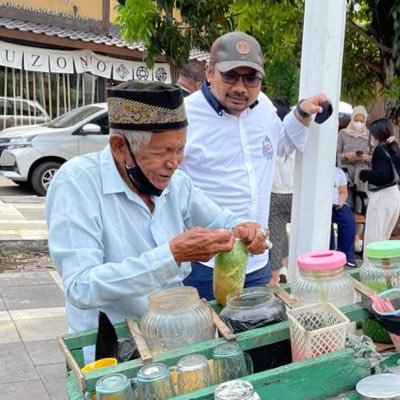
{"points": [[311, 105], [200, 244], [249, 233]]}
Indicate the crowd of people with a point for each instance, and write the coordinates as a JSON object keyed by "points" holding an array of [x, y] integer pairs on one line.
{"points": [[182, 177]]}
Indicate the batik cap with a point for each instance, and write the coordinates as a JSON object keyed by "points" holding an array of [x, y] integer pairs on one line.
{"points": [[146, 106], [236, 49]]}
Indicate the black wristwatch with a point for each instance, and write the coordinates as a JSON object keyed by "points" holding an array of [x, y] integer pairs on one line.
{"points": [[301, 112]]}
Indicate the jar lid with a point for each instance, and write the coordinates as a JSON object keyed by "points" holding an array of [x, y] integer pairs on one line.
{"points": [[321, 260], [234, 390], [384, 249], [381, 386]]}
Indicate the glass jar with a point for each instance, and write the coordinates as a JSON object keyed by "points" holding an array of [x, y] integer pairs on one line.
{"points": [[323, 279], [114, 386], [235, 390], [154, 382], [380, 271], [176, 317], [230, 271], [253, 308]]}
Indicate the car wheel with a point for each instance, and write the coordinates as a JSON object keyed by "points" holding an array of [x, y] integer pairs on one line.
{"points": [[42, 176]]}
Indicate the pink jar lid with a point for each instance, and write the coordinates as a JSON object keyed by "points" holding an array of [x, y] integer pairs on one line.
{"points": [[321, 260]]}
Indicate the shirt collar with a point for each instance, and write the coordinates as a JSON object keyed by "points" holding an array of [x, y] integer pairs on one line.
{"points": [[213, 102], [111, 178], [112, 181]]}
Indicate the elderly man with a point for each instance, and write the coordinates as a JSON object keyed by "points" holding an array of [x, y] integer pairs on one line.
{"points": [[234, 136], [125, 222]]}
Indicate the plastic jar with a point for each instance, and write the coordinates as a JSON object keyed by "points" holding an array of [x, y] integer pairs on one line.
{"points": [[176, 317], [323, 279], [380, 271], [230, 271]]}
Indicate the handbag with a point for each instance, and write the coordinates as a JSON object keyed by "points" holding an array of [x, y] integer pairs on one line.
{"points": [[395, 181]]}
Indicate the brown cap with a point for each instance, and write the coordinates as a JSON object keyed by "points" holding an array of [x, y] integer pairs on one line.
{"points": [[236, 49]]}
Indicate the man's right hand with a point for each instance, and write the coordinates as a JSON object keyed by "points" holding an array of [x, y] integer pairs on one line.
{"points": [[200, 244]]}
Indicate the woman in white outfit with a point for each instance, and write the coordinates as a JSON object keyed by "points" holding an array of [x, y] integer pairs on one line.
{"points": [[384, 203]]}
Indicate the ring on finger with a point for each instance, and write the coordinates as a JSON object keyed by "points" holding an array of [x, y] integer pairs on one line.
{"points": [[263, 232]]}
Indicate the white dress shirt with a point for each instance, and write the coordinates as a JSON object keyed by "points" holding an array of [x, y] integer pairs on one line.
{"points": [[232, 158]]}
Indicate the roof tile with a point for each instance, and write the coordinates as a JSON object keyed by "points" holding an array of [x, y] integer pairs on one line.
{"points": [[112, 39]]}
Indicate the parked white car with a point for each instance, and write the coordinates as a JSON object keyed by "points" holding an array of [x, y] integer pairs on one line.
{"points": [[16, 111], [32, 154]]}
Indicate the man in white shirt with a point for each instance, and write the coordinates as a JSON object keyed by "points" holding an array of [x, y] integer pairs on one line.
{"points": [[234, 136], [190, 78], [124, 222]]}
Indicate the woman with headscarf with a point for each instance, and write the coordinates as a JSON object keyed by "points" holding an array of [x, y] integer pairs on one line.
{"points": [[353, 147], [354, 153], [384, 202]]}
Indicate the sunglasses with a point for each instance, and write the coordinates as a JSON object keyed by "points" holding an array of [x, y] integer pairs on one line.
{"points": [[232, 77]]}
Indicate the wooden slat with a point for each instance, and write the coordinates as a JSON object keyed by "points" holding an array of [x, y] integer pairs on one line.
{"points": [[361, 288], [313, 379], [145, 353], [72, 363], [223, 329], [285, 296]]}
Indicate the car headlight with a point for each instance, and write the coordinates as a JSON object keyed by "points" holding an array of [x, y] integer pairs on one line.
{"points": [[20, 142]]}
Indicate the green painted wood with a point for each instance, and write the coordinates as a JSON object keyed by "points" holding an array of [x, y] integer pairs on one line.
{"points": [[73, 389], [87, 338], [248, 340], [314, 379], [392, 361]]}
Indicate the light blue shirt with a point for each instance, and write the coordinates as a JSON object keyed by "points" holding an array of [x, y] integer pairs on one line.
{"points": [[110, 250]]}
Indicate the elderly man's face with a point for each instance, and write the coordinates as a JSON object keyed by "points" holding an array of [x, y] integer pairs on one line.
{"points": [[162, 156], [235, 96]]}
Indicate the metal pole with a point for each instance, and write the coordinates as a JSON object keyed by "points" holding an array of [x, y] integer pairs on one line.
{"points": [[321, 71]]}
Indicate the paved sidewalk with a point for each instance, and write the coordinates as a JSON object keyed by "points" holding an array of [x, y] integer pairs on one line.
{"points": [[31, 317], [32, 312]]}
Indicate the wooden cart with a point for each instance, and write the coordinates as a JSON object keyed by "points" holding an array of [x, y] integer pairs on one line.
{"points": [[318, 378]]}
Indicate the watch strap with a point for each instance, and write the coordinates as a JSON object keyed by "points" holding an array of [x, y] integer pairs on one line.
{"points": [[301, 112]]}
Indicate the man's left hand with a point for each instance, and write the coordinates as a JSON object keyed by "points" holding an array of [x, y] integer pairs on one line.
{"points": [[253, 236]]}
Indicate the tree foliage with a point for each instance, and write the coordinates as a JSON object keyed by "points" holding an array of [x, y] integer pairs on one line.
{"points": [[174, 27], [371, 51]]}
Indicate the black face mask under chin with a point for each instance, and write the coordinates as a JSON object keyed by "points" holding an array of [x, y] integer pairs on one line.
{"points": [[138, 178]]}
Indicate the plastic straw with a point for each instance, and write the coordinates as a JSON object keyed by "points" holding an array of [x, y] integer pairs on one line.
{"points": [[384, 305]]}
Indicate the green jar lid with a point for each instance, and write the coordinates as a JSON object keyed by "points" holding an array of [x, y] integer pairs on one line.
{"points": [[384, 249]]}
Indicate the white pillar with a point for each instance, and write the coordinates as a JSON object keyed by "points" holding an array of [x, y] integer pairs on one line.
{"points": [[321, 71]]}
